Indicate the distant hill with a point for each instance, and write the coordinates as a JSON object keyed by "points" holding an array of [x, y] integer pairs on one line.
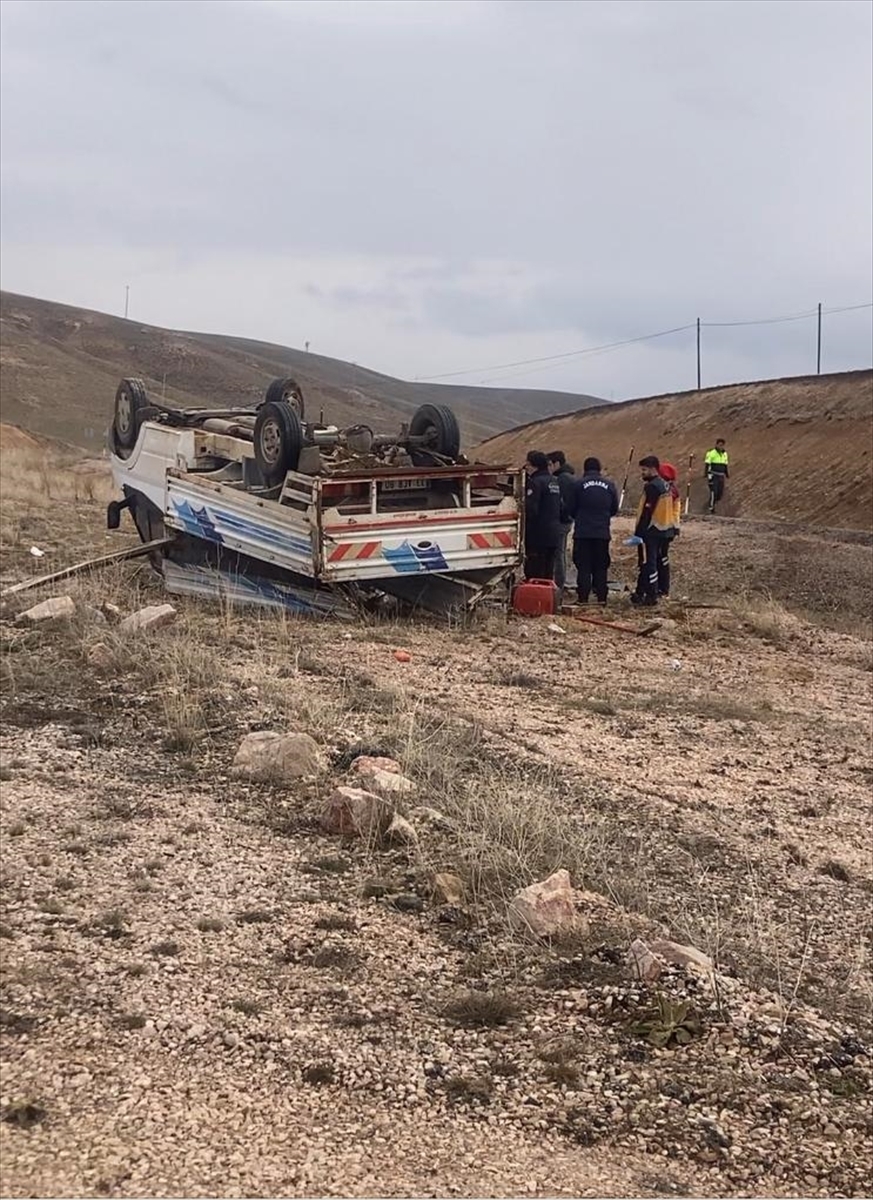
{"points": [[60, 366], [801, 449]]}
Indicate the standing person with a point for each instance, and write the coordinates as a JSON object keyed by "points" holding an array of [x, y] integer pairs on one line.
{"points": [[653, 529], [670, 475], [715, 464], [542, 518], [594, 504], [561, 470]]}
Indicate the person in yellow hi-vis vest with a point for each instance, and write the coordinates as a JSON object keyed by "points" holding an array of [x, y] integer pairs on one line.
{"points": [[716, 467]]}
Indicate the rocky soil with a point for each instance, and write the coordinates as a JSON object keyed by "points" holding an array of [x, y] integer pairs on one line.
{"points": [[205, 992]]}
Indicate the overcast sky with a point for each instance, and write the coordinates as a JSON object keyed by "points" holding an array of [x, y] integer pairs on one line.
{"points": [[427, 187]]}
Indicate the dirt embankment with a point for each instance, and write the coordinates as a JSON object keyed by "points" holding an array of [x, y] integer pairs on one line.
{"points": [[801, 449]]}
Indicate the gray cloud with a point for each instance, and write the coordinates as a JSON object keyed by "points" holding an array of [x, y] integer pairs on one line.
{"points": [[505, 170]]}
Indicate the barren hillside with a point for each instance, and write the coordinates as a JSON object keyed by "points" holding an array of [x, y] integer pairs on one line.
{"points": [[801, 449], [59, 368]]}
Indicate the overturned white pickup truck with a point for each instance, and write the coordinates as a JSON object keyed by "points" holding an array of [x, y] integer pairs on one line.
{"points": [[258, 505]]}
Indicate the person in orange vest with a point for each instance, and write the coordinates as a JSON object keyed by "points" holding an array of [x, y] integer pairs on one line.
{"points": [[653, 530], [670, 475]]}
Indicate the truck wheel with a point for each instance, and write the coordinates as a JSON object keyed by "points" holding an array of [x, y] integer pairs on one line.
{"points": [[131, 401], [439, 426], [286, 391], [278, 440]]}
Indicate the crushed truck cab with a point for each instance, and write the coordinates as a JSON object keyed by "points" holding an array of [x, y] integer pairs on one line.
{"points": [[310, 517]]}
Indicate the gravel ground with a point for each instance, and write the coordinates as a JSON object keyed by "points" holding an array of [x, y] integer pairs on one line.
{"points": [[202, 994]]}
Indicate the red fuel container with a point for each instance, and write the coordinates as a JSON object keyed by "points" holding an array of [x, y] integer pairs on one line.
{"points": [[535, 598]]}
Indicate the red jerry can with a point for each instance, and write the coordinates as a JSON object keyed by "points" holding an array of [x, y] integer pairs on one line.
{"points": [[535, 598]]}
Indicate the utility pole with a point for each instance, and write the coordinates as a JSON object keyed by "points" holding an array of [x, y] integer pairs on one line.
{"points": [[306, 347], [818, 344], [698, 354], [126, 300]]}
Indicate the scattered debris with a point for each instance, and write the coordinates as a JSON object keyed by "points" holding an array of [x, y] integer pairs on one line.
{"points": [[36, 552], [88, 565]]}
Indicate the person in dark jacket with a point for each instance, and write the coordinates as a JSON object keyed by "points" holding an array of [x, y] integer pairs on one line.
{"points": [[561, 470], [542, 518], [594, 504]]}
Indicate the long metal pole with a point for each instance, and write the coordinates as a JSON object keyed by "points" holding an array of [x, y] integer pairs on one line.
{"points": [[698, 354], [818, 344]]}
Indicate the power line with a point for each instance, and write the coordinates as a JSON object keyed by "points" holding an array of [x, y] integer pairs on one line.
{"points": [[762, 321], [557, 359], [526, 362]]}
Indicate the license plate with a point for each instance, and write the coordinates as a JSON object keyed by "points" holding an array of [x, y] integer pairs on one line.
{"points": [[403, 485]]}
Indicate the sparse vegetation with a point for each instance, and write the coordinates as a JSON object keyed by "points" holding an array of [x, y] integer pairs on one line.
{"points": [[339, 958], [469, 1089], [319, 1074], [210, 925], [132, 1021], [337, 923], [256, 916], [487, 1009], [248, 1008], [25, 1115], [167, 949]]}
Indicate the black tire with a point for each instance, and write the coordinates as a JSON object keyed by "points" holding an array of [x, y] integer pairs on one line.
{"points": [[440, 426], [131, 401], [278, 440], [286, 391]]}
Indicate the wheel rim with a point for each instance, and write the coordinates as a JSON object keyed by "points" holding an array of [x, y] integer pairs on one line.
{"points": [[271, 442], [292, 399], [123, 414]]}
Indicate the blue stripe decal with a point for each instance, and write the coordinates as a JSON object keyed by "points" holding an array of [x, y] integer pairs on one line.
{"points": [[204, 523]]}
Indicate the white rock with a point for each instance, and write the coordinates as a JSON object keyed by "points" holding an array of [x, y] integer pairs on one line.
{"points": [[546, 908], [367, 765], [355, 811], [386, 783], [100, 656], [59, 608], [448, 888], [681, 956], [642, 962], [277, 757], [151, 617], [400, 832]]}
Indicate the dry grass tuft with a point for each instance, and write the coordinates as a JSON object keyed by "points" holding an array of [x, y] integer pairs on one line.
{"points": [[469, 1089], [319, 1074], [481, 1009]]}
